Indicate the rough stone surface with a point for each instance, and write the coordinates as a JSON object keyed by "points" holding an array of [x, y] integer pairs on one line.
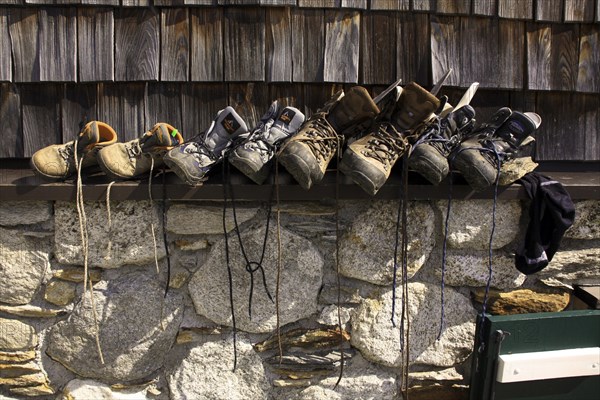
{"points": [[187, 219], [133, 342], [128, 240], [329, 315], [207, 372], [23, 263], [60, 293], [471, 221], [472, 269], [75, 274], [17, 335], [17, 356], [80, 389], [24, 212], [317, 393], [301, 274], [30, 311], [576, 262], [587, 221], [367, 246], [522, 301], [378, 341]]}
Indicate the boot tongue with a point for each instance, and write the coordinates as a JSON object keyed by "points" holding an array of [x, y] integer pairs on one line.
{"points": [[414, 106], [355, 107], [89, 135], [516, 128], [288, 122], [161, 135], [227, 127]]}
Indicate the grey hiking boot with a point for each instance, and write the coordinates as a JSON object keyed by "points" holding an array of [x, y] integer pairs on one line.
{"points": [[58, 161], [193, 160], [253, 156], [369, 160], [429, 155], [307, 154], [480, 158], [135, 158]]}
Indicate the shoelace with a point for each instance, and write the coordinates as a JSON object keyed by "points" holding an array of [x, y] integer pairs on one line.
{"points": [[384, 147], [321, 138], [133, 149]]}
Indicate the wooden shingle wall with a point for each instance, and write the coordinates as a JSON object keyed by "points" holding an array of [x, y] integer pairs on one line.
{"points": [[132, 63]]}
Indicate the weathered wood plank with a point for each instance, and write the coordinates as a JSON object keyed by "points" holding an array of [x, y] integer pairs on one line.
{"points": [[478, 43], [11, 2], [200, 2], [423, 5], [136, 3], [549, 10], [445, 48], [455, 7], [354, 4], [250, 100], [286, 94], [52, 2], [319, 3], [78, 106], [597, 11], [175, 44], [378, 45], [207, 44], [163, 104], [579, 10], [413, 54], [279, 45], [278, 2], [41, 116], [485, 7], [591, 118], [23, 29], [244, 44], [169, 3], [403, 5], [11, 140], [515, 9], [237, 2], [5, 48], [539, 51], [342, 39], [200, 104], [511, 58], [122, 106], [137, 44], [523, 100], [58, 44], [95, 41], [565, 56], [308, 45], [101, 2], [588, 78], [314, 96]]}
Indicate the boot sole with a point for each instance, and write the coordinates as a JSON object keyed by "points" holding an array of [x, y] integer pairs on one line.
{"points": [[44, 176], [353, 166], [181, 173], [432, 167], [295, 164], [478, 173], [249, 169], [112, 175]]}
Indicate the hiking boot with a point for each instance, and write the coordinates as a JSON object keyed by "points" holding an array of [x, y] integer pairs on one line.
{"points": [[134, 158], [193, 160], [429, 155], [307, 154], [480, 158], [253, 156], [58, 160], [369, 160]]}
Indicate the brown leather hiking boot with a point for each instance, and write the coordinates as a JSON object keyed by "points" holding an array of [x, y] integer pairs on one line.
{"points": [[369, 160], [307, 154]]}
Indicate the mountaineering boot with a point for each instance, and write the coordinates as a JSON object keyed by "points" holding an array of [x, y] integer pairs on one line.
{"points": [[429, 156], [306, 155], [58, 161], [193, 160], [369, 160], [134, 158], [253, 156], [480, 158]]}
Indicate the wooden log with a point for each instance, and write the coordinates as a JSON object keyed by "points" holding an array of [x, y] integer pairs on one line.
{"points": [[308, 45], [175, 44], [137, 44], [423, 5], [378, 47], [564, 62], [95, 44], [414, 51], [549, 10], [163, 104], [515, 9], [588, 79], [342, 38], [403, 5], [78, 106], [579, 10], [250, 100], [455, 7], [244, 44], [40, 104], [207, 44], [478, 55], [5, 48], [11, 141], [199, 106], [122, 106], [485, 7], [279, 45], [511, 58], [445, 49], [539, 39]]}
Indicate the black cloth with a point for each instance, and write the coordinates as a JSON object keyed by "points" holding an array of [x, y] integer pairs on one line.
{"points": [[551, 213]]}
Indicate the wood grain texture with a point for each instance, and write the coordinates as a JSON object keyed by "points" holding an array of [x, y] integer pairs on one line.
{"points": [[5, 47], [23, 29], [58, 44], [122, 106], [78, 106], [250, 101], [95, 43], [478, 44], [136, 3], [403, 5], [314, 96], [319, 3], [237, 2], [588, 78], [279, 45], [579, 10], [342, 38], [445, 49], [101, 2], [207, 44], [591, 120], [361, 4], [163, 104], [11, 2], [244, 44], [286, 94], [278, 2], [515, 9], [11, 141], [455, 7], [378, 47], [137, 44], [414, 52], [175, 44], [40, 105], [169, 3], [485, 7], [539, 50], [52, 2], [511, 54], [200, 104], [549, 10], [200, 2], [308, 45], [423, 5], [565, 56]]}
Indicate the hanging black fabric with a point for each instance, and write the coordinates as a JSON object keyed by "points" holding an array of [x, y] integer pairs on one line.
{"points": [[551, 213]]}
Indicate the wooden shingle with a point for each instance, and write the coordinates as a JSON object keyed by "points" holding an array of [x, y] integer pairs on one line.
{"points": [[455, 7], [137, 44], [244, 44], [423, 5], [40, 107], [250, 101], [403, 5], [11, 2], [286, 94], [5, 48], [200, 103], [511, 54], [175, 44], [78, 106], [23, 28], [445, 48], [101, 2], [579, 10], [588, 78], [95, 44], [319, 3], [163, 104], [207, 44], [590, 112], [122, 106], [362, 4], [11, 141], [136, 3], [378, 48], [278, 2], [279, 45], [485, 7], [308, 45], [515, 9], [565, 56], [549, 10], [478, 43], [341, 46], [414, 50], [539, 48]]}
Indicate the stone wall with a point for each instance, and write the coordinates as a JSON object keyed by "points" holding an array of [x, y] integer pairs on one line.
{"points": [[181, 345]]}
